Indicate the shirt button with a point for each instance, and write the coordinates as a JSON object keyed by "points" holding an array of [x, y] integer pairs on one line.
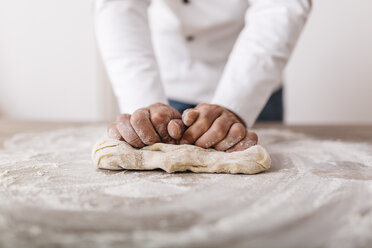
{"points": [[190, 38]]}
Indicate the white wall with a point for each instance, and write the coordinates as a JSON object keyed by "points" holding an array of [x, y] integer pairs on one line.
{"points": [[329, 78], [48, 61], [50, 70]]}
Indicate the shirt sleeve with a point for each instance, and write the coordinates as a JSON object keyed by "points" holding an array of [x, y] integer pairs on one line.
{"points": [[124, 40], [255, 66]]}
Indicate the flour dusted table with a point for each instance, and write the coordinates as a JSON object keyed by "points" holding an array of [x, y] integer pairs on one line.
{"points": [[318, 193]]}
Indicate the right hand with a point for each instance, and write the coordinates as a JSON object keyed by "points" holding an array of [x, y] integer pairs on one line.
{"points": [[213, 126], [146, 126]]}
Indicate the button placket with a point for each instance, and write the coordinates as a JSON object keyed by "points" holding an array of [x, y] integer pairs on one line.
{"points": [[190, 38]]}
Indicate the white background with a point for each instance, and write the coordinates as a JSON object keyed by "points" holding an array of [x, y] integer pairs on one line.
{"points": [[50, 68]]}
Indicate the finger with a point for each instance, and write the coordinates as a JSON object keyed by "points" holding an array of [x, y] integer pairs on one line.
{"points": [[216, 132], [175, 114], [160, 116], [177, 117], [189, 116], [112, 132], [201, 125], [249, 140], [127, 132], [176, 129], [141, 123], [160, 120], [236, 133]]}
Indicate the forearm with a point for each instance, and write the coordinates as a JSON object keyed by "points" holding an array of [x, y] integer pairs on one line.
{"points": [[254, 69], [124, 41]]}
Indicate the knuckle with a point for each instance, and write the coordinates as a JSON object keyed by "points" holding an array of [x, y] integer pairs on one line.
{"points": [[213, 107], [124, 128], [217, 133], [230, 115], [217, 107], [241, 131], [253, 136], [123, 117], [158, 104], [189, 116], [134, 119], [162, 130], [220, 133], [238, 130], [204, 123], [138, 116], [140, 111], [187, 113], [201, 105], [158, 117], [222, 124]]}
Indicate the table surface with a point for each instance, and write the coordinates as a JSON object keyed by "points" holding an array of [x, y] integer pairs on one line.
{"points": [[9, 127], [318, 193]]}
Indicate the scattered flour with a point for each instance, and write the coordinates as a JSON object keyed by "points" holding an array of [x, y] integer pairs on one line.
{"points": [[318, 193]]}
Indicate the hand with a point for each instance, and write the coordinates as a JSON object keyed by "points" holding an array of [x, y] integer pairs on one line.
{"points": [[146, 126], [214, 126]]}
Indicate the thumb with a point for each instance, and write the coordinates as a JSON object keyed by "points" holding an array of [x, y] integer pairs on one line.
{"points": [[176, 128]]}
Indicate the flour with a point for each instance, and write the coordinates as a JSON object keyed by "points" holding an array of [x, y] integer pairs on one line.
{"points": [[143, 189], [317, 193]]}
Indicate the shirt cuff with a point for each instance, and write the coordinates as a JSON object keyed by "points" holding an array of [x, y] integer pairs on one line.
{"points": [[247, 109]]}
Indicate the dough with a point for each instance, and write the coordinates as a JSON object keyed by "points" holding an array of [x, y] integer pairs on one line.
{"points": [[113, 154]]}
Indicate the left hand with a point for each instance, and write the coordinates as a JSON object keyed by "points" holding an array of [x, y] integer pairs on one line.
{"points": [[215, 126], [156, 123]]}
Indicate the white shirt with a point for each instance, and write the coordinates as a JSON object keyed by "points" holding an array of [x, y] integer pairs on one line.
{"points": [[226, 52]]}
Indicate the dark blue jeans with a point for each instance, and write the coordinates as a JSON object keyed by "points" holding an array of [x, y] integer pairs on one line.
{"points": [[273, 110]]}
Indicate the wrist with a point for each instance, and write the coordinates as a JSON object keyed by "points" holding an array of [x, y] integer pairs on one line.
{"points": [[237, 116]]}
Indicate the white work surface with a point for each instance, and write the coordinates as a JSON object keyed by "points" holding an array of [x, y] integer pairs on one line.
{"points": [[318, 193]]}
